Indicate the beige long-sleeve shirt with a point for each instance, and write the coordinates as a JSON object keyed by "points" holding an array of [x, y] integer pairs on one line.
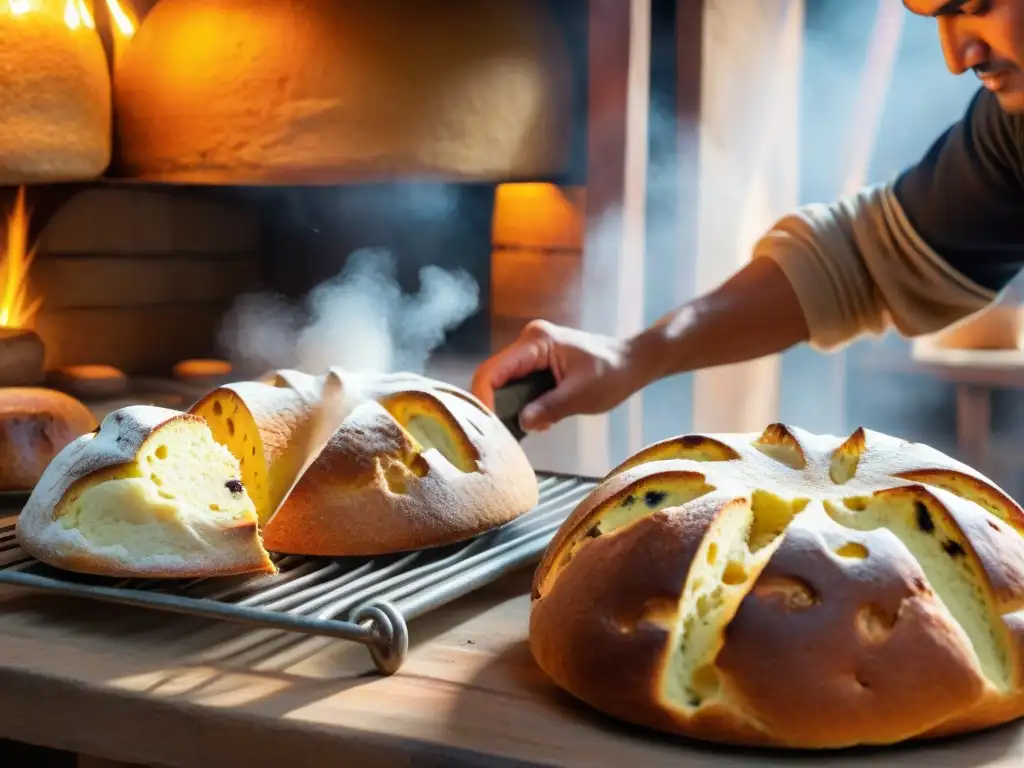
{"points": [[932, 247], [859, 267]]}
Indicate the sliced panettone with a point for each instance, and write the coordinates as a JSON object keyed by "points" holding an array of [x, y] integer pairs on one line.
{"points": [[789, 590], [409, 465], [149, 494], [268, 429]]}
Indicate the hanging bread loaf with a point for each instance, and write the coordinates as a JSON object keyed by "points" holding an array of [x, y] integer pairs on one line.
{"points": [[55, 110], [149, 494], [339, 464], [307, 91], [789, 590]]}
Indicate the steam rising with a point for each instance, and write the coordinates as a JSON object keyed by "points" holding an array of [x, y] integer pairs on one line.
{"points": [[358, 320]]}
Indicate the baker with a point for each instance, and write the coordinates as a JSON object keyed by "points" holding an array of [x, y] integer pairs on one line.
{"points": [[934, 245]]}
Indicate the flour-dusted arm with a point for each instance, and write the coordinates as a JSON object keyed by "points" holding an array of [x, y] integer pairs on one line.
{"points": [[920, 253]]}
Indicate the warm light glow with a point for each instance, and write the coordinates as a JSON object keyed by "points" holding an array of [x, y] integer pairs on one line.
{"points": [[85, 13], [72, 15], [77, 13], [539, 215], [122, 18], [15, 309]]}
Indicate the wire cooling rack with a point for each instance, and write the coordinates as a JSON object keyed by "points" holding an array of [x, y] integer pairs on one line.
{"points": [[365, 600]]}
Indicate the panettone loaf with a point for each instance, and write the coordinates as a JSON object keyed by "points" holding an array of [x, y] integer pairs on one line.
{"points": [[148, 494], [399, 462], [35, 425], [55, 114], [343, 90], [789, 590]]}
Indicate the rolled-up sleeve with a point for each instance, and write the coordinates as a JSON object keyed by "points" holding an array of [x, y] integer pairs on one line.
{"points": [[920, 253]]}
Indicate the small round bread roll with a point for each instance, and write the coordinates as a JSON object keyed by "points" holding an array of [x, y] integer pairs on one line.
{"points": [[202, 373], [89, 381], [35, 425]]}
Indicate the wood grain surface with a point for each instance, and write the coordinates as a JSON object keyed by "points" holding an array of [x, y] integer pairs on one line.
{"points": [[150, 688]]}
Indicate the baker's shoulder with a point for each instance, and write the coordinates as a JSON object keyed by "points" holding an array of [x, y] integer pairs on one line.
{"points": [[997, 136]]}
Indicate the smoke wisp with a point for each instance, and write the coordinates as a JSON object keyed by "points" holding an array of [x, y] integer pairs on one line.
{"points": [[359, 320]]}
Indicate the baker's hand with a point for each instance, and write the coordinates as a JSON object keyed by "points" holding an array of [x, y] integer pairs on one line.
{"points": [[592, 373]]}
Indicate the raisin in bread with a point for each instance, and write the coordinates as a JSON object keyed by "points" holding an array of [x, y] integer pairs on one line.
{"points": [[150, 493], [789, 590], [393, 462]]}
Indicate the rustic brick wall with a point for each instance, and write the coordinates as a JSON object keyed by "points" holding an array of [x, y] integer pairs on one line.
{"points": [[140, 279]]}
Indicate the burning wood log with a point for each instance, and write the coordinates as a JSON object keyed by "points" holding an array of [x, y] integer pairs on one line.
{"points": [[21, 357]]}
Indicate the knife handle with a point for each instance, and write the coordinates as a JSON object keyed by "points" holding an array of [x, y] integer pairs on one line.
{"points": [[510, 399]]}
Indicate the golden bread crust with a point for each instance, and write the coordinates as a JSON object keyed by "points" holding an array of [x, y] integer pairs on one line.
{"points": [[375, 487], [874, 592]]}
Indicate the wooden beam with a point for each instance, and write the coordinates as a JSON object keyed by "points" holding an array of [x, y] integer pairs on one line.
{"points": [[612, 295], [875, 81], [749, 176]]}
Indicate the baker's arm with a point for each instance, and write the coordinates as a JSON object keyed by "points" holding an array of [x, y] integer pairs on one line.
{"points": [[917, 254]]}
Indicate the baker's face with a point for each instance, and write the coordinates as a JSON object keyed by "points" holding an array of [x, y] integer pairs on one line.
{"points": [[986, 36]]}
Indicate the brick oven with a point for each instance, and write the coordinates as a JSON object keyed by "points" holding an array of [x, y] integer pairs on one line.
{"points": [[218, 165], [184, 231]]}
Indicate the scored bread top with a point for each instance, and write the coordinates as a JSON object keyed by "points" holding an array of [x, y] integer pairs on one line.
{"points": [[405, 462], [857, 591]]}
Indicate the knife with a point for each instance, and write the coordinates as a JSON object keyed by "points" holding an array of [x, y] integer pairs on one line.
{"points": [[510, 399]]}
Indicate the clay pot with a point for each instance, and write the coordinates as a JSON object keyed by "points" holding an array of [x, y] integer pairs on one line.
{"points": [[22, 356]]}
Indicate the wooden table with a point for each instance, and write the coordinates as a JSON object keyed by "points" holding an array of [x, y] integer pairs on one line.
{"points": [[149, 688]]}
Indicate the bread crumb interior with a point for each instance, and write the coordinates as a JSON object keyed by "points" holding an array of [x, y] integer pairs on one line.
{"points": [[180, 497], [732, 554], [948, 562]]}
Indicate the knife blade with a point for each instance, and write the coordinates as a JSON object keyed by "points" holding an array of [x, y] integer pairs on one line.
{"points": [[513, 397]]}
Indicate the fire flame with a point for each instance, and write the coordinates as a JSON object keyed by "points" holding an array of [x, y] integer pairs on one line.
{"points": [[78, 14], [15, 309], [122, 19]]}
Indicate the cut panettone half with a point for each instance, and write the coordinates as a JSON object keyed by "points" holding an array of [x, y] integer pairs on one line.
{"points": [[271, 432], [150, 494], [406, 470], [789, 589]]}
